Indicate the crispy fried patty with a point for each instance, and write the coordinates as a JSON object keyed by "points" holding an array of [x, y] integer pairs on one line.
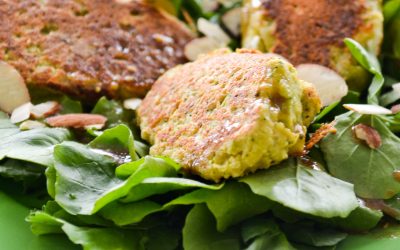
{"points": [[227, 114], [312, 31], [89, 48]]}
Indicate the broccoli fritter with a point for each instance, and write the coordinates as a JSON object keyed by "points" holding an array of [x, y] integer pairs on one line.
{"points": [[312, 31], [90, 48], [228, 114]]}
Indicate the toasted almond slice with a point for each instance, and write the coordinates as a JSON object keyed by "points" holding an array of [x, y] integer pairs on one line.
{"points": [[213, 31], [30, 124], [331, 87], [231, 20], [368, 109], [45, 109], [395, 109], [209, 5], [132, 103], [199, 46], [368, 134], [21, 113], [76, 120], [320, 134], [13, 90]]}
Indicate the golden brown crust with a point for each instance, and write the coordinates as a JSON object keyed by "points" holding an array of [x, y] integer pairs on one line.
{"points": [[90, 48], [305, 29]]}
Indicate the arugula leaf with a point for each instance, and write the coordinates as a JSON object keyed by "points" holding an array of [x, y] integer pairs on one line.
{"points": [[118, 141], [264, 233], [125, 214], [359, 220], [370, 170], [309, 233], [390, 9], [370, 63], [225, 205], [303, 189], [86, 181], [34, 146], [89, 238], [114, 112], [199, 232], [25, 172], [161, 185], [70, 106]]}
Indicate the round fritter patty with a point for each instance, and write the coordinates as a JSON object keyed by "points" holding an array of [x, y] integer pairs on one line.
{"points": [[90, 48], [227, 114], [312, 31]]}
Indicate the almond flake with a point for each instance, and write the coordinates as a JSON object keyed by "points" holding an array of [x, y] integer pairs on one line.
{"points": [[21, 113], [368, 109], [45, 109], [76, 120], [395, 109], [321, 133], [368, 134]]}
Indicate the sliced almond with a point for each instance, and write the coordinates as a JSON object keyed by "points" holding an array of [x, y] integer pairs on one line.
{"points": [[331, 87], [199, 46], [76, 120], [367, 134], [231, 20], [321, 133], [132, 103], [21, 113], [13, 90], [209, 5], [45, 109], [395, 109], [213, 31], [396, 86], [368, 109], [30, 124]]}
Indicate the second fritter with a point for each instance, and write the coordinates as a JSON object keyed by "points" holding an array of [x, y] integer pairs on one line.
{"points": [[90, 48]]}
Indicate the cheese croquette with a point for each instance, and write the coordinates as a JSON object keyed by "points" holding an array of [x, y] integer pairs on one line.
{"points": [[312, 31], [90, 48], [228, 114]]}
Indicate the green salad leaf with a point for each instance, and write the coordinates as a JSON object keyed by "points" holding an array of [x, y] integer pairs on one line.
{"points": [[370, 63], [264, 233], [118, 141], [225, 205], [305, 190], [21, 171], [86, 179], [114, 112], [370, 170], [34, 145], [161, 185], [200, 233], [128, 213], [69, 106], [88, 237], [310, 233]]}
